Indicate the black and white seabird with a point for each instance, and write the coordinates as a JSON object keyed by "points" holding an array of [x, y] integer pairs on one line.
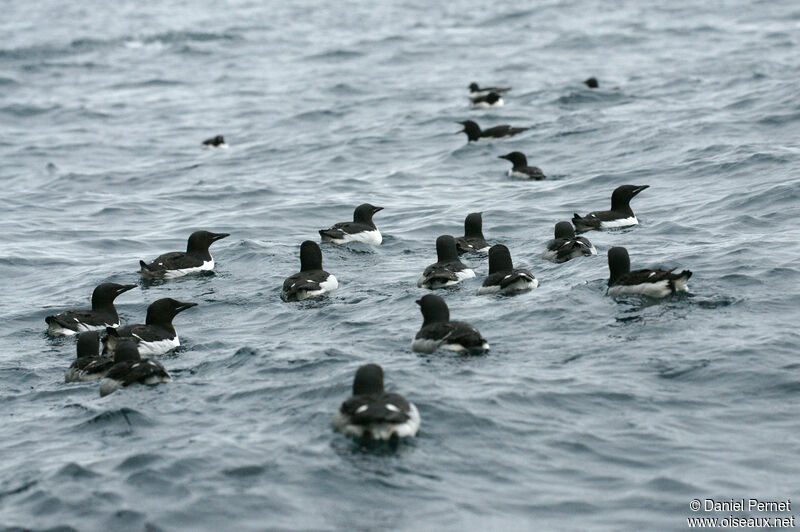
{"points": [[195, 259], [361, 229], [448, 270], [438, 332], [487, 102], [102, 315], [503, 277], [472, 241], [566, 245], [129, 368], [620, 215], [89, 365], [157, 335], [373, 413], [592, 83], [520, 166], [474, 132], [476, 92], [652, 283], [215, 142], [311, 280]]}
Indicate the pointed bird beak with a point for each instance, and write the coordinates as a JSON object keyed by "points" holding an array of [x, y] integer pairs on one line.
{"points": [[220, 236], [125, 288], [183, 306], [418, 302], [639, 189], [502, 157], [462, 129], [376, 209]]}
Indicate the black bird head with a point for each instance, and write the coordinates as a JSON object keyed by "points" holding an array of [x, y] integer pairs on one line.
{"points": [[472, 130], [126, 351], [105, 294], [473, 225], [446, 250], [619, 263], [434, 309], [592, 83], [310, 256], [88, 344], [199, 241], [162, 311], [499, 259], [517, 158], [363, 213], [621, 197], [565, 230], [474, 87], [368, 380]]}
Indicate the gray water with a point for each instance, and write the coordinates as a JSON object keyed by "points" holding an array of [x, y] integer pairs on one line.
{"points": [[587, 414]]}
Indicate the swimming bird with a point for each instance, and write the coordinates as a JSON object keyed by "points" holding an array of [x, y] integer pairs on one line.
{"points": [[448, 270], [89, 365], [472, 241], [592, 83], [652, 283], [102, 315], [487, 102], [195, 259], [157, 335], [566, 245], [476, 92], [620, 215], [215, 142], [373, 413], [438, 332], [474, 132], [361, 229], [129, 368], [520, 167], [502, 275], [311, 280]]}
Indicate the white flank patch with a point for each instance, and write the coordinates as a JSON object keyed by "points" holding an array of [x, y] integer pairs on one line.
{"points": [[55, 328], [425, 345], [621, 222], [171, 274], [465, 274], [373, 238], [521, 286], [380, 431], [488, 289], [681, 284], [328, 285], [487, 105], [655, 290], [109, 386], [158, 347]]}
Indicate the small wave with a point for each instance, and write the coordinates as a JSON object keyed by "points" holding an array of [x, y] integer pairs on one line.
{"points": [[334, 55]]}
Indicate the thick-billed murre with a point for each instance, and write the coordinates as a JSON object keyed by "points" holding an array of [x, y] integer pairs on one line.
{"points": [[448, 269], [195, 259], [361, 229], [103, 313], [503, 277], [620, 215], [311, 280], [154, 337], [652, 283], [438, 332], [566, 245]]}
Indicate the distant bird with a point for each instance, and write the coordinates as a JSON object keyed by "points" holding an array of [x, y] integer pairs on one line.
{"points": [[372, 413], [620, 215], [102, 315], [215, 142], [520, 167], [592, 83], [89, 365], [438, 332], [448, 270], [652, 283], [157, 335], [503, 277], [472, 241], [361, 229], [487, 102], [474, 132], [566, 246], [129, 368], [476, 92], [312, 280], [195, 259]]}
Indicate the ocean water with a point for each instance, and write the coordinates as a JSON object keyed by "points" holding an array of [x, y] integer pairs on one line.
{"points": [[589, 413]]}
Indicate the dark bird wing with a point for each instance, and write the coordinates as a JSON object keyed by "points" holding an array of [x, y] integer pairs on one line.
{"points": [[339, 230], [303, 282], [469, 245], [441, 273], [69, 319], [535, 173], [568, 248], [466, 335], [177, 260], [99, 364], [370, 409], [502, 131], [130, 372], [140, 331], [636, 277], [514, 276]]}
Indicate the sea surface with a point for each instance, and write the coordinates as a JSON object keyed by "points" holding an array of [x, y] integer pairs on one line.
{"points": [[588, 413]]}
